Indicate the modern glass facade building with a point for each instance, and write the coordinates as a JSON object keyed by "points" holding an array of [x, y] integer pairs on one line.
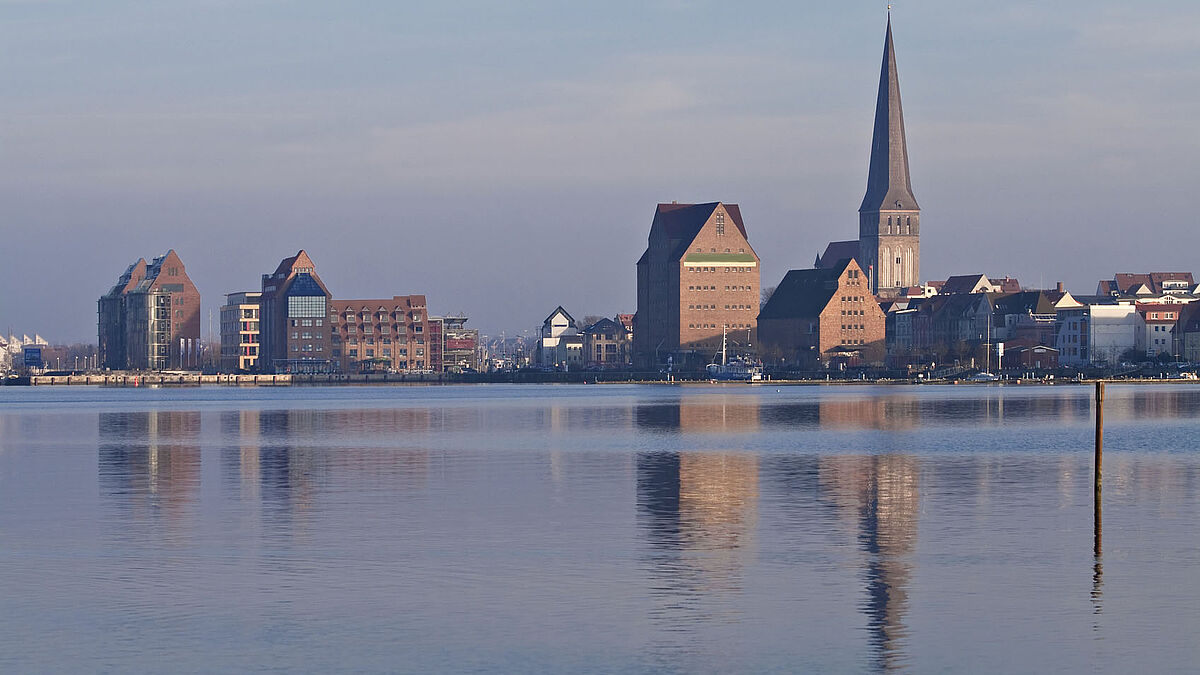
{"points": [[294, 326]]}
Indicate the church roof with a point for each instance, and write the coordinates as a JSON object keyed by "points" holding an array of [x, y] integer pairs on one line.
{"points": [[837, 251], [888, 185], [804, 293]]}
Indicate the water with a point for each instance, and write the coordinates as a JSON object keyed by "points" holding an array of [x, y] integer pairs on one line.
{"points": [[596, 529]]}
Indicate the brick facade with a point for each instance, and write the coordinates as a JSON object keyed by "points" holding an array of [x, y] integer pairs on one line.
{"points": [[698, 275], [820, 316], [383, 335]]}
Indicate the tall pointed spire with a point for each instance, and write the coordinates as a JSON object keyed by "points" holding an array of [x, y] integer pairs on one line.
{"points": [[888, 185]]}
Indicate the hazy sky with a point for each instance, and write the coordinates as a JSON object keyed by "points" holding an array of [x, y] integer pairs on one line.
{"points": [[504, 158]]}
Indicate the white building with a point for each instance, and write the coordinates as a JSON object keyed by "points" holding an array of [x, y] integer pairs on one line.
{"points": [[559, 343], [1097, 334]]}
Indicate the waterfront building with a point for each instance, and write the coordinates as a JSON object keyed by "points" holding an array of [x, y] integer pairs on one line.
{"points": [[1096, 334], [607, 344], [1037, 357], [822, 317], [240, 316], [559, 343], [294, 334], [458, 345], [150, 320], [384, 335], [698, 276]]}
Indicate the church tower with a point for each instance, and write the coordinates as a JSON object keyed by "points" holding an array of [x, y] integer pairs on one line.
{"points": [[889, 220]]}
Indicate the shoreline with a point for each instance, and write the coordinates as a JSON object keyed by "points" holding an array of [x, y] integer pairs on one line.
{"points": [[290, 380]]}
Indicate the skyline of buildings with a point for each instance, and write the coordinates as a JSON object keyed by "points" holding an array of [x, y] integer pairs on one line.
{"points": [[691, 242]]}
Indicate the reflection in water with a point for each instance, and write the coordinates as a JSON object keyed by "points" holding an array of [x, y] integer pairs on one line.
{"points": [[698, 513], [879, 494], [1097, 552], [150, 461]]}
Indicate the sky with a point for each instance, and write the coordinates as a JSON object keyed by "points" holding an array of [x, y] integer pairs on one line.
{"points": [[506, 158]]}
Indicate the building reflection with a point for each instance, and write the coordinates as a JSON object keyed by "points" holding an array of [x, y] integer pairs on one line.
{"points": [[150, 461], [877, 412], [702, 413], [698, 514], [241, 455], [878, 497]]}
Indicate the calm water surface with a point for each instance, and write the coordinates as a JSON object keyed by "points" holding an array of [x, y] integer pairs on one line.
{"points": [[597, 529]]}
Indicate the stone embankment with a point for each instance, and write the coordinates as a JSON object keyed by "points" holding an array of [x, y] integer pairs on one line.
{"points": [[186, 379]]}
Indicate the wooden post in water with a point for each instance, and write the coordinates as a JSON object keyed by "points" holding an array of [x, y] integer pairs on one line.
{"points": [[1099, 461]]}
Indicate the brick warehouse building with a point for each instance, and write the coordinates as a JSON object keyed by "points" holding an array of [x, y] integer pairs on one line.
{"points": [[381, 335], [150, 320], [698, 275], [822, 316], [294, 331]]}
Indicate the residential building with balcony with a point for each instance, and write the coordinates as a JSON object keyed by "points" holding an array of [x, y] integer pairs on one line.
{"points": [[150, 320], [240, 335], [384, 335]]}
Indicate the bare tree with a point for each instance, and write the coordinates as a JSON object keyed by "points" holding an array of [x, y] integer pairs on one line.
{"points": [[767, 292]]}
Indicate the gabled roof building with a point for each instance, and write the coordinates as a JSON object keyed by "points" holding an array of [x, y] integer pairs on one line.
{"points": [[150, 320], [294, 329], [698, 276], [820, 316], [1151, 284], [383, 335]]}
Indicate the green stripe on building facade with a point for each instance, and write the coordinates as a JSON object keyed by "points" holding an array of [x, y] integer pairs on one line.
{"points": [[719, 258]]}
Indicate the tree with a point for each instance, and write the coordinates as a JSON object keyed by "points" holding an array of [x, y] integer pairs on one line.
{"points": [[767, 292]]}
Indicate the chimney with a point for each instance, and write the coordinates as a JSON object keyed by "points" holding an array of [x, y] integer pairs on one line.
{"points": [[1058, 287]]}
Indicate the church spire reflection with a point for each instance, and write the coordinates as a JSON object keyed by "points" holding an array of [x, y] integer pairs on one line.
{"points": [[880, 495]]}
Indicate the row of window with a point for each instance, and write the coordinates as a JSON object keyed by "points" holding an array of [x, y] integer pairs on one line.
{"points": [[371, 340], [735, 326], [308, 348], [853, 326], [350, 317], [307, 323], [714, 269], [853, 312], [385, 353], [854, 342], [852, 298], [700, 249]]}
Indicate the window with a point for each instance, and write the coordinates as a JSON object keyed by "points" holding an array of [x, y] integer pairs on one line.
{"points": [[306, 306], [720, 223]]}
